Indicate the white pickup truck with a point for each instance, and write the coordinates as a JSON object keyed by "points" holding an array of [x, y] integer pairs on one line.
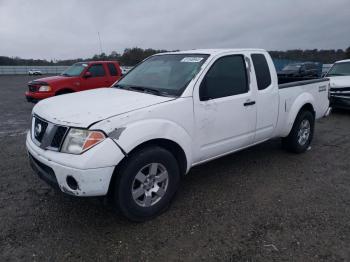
{"points": [[173, 111], [339, 76]]}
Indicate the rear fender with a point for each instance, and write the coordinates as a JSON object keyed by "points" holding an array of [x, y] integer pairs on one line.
{"points": [[292, 109]]}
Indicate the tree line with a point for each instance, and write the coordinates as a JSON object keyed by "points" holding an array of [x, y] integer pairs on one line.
{"points": [[314, 55], [132, 56]]}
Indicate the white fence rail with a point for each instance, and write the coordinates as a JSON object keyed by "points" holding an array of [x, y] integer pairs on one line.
{"points": [[23, 70]]}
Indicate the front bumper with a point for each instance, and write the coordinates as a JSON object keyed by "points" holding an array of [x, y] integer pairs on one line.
{"points": [[340, 102], [36, 96], [91, 170]]}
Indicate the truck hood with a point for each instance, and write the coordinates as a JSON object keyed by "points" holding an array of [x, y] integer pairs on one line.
{"points": [[339, 81], [52, 79], [85, 108]]}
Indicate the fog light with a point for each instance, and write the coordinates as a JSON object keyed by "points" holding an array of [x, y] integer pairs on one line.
{"points": [[72, 183]]}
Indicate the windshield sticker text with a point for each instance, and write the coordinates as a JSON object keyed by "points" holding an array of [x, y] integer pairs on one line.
{"points": [[191, 59]]}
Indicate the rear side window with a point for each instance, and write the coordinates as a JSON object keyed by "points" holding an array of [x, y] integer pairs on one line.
{"points": [[310, 66], [226, 77], [262, 71], [97, 70], [112, 70]]}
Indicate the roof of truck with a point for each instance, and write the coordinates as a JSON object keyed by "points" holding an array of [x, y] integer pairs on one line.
{"points": [[101, 61], [343, 61], [97, 62], [215, 51]]}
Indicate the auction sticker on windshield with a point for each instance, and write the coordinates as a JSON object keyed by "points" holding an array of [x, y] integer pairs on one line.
{"points": [[191, 59]]}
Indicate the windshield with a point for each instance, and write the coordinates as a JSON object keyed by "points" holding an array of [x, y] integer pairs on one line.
{"points": [[74, 70], [291, 67], [166, 74], [340, 69]]}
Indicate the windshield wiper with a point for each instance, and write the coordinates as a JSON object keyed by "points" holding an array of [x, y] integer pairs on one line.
{"points": [[142, 89], [123, 87], [146, 89], [336, 74]]}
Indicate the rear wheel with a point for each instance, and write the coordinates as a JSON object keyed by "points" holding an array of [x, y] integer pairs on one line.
{"points": [[146, 183], [300, 137]]}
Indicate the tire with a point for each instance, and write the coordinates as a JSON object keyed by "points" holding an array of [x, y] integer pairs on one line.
{"points": [[300, 137], [141, 188]]}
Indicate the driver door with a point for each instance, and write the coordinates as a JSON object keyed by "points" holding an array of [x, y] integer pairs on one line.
{"points": [[225, 109], [97, 79]]}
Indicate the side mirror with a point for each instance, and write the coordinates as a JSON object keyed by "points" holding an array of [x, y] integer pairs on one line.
{"points": [[87, 74]]}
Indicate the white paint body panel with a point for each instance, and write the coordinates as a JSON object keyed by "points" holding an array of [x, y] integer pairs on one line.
{"points": [[218, 123], [340, 81], [203, 129], [267, 101], [293, 99], [92, 170], [81, 109]]}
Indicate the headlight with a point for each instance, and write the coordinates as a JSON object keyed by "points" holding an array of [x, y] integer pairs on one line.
{"points": [[79, 140], [44, 88]]}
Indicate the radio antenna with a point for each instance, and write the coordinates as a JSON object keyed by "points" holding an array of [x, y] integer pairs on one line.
{"points": [[99, 38]]}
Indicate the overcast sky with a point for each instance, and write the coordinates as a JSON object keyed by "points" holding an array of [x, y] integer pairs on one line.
{"points": [[68, 28]]}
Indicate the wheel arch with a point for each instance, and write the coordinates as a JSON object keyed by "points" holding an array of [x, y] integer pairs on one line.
{"points": [[169, 145], [130, 135], [308, 107], [174, 148], [303, 102]]}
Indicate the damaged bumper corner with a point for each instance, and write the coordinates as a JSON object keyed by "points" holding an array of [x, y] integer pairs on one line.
{"points": [[72, 180]]}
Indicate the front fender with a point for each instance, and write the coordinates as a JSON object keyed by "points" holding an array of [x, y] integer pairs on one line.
{"points": [[131, 135]]}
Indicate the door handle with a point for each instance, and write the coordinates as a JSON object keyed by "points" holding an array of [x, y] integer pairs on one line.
{"points": [[249, 103]]}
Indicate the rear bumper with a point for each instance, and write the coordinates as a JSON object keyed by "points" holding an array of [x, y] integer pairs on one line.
{"points": [[340, 102], [36, 96]]}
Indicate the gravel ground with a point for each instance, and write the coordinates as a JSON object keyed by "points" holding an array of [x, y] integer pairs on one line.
{"points": [[261, 204]]}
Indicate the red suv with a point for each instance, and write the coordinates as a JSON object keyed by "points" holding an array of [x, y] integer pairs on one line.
{"points": [[79, 77]]}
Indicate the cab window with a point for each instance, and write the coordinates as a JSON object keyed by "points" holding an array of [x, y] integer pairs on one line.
{"points": [[226, 77], [97, 70], [262, 71], [112, 70]]}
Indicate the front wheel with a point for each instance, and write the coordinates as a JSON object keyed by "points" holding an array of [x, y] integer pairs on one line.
{"points": [[300, 137], [146, 183]]}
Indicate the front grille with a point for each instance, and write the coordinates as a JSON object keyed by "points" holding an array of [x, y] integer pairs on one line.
{"points": [[48, 135], [40, 127], [58, 137], [33, 87], [340, 91]]}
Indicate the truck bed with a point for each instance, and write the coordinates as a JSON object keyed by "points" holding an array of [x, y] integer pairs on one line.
{"points": [[304, 82], [292, 95]]}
